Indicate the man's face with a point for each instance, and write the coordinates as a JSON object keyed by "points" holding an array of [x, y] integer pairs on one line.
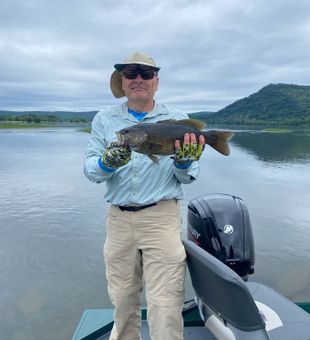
{"points": [[139, 89]]}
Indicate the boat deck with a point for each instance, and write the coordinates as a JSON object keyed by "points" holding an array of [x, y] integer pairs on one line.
{"points": [[190, 333], [96, 324]]}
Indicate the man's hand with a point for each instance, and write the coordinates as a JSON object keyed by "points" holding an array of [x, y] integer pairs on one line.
{"points": [[191, 151], [116, 156]]}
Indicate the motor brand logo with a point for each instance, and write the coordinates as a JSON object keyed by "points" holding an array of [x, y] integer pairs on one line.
{"points": [[228, 229], [194, 232]]}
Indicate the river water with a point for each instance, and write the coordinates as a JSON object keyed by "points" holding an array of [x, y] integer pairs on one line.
{"points": [[52, 222]]}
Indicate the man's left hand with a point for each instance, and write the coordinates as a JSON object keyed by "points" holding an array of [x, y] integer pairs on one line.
{"points": [[190, 151]]}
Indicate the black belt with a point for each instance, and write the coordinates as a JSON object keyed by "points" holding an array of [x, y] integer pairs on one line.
{"points": [[136, 208]]}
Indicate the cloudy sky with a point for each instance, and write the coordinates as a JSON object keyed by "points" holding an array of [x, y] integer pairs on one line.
{"points": [[59, 54]]}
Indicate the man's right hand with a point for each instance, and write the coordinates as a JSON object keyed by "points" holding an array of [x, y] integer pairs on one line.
{"points": [[116, 156]]}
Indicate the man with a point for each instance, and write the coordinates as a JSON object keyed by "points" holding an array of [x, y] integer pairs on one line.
{"points": [[143, 244]]}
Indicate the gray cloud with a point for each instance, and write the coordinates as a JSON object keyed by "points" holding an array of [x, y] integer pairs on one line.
{"points": [[59, 55]]}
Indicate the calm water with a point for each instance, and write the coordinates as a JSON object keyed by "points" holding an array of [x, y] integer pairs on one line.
{"points": [[52, 223]]}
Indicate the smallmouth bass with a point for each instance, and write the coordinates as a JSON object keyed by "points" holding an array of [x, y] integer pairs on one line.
{"points": [[158, 139]]}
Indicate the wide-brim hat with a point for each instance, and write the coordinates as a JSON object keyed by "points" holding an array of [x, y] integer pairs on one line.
{"points": [[134, 58]]}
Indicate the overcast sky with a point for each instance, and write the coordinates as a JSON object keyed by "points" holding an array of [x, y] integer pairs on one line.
{"points": [[59, 54]]}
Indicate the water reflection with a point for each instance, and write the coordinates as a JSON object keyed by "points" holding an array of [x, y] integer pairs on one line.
{"points": [[285, 147]]}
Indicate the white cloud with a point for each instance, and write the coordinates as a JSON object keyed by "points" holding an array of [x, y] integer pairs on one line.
{"points": [[59, 55]]}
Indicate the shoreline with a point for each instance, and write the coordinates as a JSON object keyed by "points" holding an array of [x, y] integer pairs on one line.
{"points": [[43, 126]]}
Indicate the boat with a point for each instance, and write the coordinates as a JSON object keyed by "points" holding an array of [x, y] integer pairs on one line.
{"points": [[226, 306]]}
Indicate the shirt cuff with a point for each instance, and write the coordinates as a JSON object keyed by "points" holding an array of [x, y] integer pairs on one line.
{"points": [[182, 166], [104, 167], [187, 176]]}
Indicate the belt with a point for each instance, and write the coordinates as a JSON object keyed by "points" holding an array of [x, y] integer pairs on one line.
{"points": [[136, 208]]}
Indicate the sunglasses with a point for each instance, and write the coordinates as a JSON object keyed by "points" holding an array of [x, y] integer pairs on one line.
{"points": [[145, 74]]}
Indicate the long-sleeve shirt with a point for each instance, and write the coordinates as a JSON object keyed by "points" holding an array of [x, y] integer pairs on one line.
{"points": [[141, 181]]}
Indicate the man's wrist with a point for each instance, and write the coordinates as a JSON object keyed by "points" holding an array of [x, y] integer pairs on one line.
{"points": [[182, 166], [104, 167]]}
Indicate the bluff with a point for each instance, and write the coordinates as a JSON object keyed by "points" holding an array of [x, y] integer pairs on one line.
{"points": [[274, 104]]}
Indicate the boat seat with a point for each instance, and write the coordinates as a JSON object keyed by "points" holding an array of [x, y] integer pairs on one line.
{"points": [[242, 310]]}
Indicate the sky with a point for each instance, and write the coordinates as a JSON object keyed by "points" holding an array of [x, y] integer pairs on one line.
{"points": [[59, 54]]}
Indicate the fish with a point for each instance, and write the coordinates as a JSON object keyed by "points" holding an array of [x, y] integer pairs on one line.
{"points": [[158, 139]]}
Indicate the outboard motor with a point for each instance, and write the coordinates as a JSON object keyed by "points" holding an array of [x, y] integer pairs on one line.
{"points": [[220, 224], [220, 257]]}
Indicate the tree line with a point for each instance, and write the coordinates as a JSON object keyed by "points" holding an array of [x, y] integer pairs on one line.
{"points": [[32, 118]]}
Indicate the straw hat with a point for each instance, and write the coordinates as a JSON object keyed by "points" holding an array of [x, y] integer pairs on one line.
{"points": [[116, 77]]}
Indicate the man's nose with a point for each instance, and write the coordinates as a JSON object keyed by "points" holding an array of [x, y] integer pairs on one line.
{"points": [[139, 77]]}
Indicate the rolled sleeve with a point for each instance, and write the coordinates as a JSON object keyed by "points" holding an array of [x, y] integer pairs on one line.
{"points": [[95, 148]]}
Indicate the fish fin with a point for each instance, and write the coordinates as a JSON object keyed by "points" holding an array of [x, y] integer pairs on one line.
{"points": [[218, 140], [198, 124], [153, 158]]}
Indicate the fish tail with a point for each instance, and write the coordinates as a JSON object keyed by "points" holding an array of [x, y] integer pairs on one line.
{"points": [[218, 140]]}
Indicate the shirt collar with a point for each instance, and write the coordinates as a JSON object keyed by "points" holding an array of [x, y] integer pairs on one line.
{"points": [[157, 110]]}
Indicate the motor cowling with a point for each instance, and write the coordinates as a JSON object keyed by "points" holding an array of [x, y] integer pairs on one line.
{"points": [[220, 224]]}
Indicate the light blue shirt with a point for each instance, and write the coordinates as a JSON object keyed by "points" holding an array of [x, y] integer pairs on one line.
{"points": [[141, 181]]}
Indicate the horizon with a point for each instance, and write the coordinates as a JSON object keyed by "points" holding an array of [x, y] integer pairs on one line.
{"points": [[97, 110]]}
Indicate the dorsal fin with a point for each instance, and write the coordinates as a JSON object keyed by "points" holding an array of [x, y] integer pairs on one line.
{"points": [[198, 124]]}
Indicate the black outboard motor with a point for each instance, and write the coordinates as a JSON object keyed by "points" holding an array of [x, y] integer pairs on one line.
{"points": [[220, 224]]}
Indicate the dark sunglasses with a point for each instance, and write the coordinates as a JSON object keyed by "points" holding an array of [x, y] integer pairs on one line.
{"points": [[145, 74]]}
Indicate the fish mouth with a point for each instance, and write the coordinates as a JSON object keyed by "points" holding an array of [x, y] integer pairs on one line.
{"points": [[120, 137]]}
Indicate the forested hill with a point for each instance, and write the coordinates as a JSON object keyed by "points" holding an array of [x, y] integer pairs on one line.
{"points": [[275, 104]]}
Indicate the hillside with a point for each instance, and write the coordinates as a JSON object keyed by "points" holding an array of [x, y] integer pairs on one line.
{"points": [[275, 104], [201, 115]]}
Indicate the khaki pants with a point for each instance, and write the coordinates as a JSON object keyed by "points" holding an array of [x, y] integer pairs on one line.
{"points": [[145, 247]]}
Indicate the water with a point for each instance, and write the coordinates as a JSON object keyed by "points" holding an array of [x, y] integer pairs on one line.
{"points": [[52, 223]]}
